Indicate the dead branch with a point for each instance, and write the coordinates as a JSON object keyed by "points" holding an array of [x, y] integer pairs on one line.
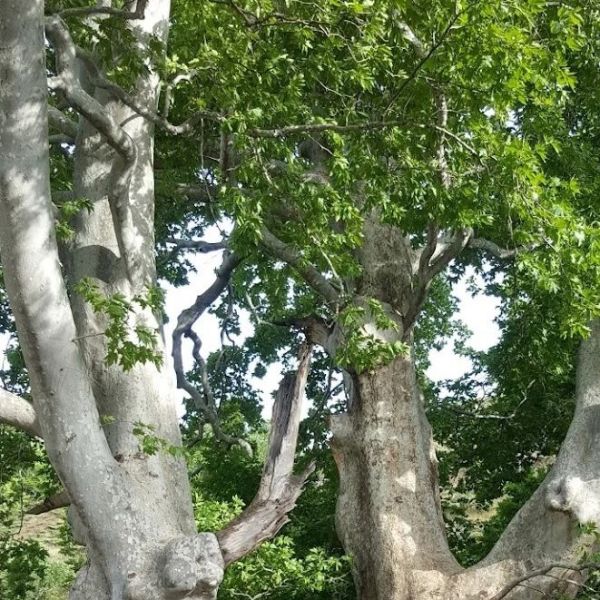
{"points": [[279, 488]]}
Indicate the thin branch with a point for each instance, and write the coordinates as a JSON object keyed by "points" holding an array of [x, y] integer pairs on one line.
{"points": [[543, 571], [498, 251], [99, 80], [309, 273], [198, 245], [204, 400], [19, 413], [67, 82], [424, 56], [88, 11], [281, 132], [279, 488]]}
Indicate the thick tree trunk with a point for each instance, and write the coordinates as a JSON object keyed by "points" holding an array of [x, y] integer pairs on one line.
{"points": [[388, 512]]}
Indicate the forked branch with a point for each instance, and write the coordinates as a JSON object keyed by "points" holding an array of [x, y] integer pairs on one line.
{"points": [[203, 400], [67, 82], [279, 488]]}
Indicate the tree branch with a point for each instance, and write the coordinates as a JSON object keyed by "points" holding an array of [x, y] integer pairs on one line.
{"points": [[543, 571], [430, 265], [204, 401], [66, 82], [61, 122], [87, 11], [496, 250], [279, 488], [99, 80], [308, 272], [424, 55], [315, 329], [198, 245], [19, 413], [58, 500]]}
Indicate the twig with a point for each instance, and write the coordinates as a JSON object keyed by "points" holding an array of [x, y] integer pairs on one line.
{"points": [[543, 571]]}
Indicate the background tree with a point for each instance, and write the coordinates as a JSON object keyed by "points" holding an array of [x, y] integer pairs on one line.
{"points": [[352, 151]]}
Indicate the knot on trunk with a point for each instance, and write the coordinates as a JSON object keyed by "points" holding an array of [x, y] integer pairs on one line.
{"points": [[577, 497], [193, 567]]}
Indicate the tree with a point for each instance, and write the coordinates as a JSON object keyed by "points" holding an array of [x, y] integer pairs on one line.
{"points": [[359, 149], [132, 509]]}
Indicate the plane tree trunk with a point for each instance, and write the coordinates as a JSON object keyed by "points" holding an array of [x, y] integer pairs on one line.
{"points": [[132, 510], [388, 515]]}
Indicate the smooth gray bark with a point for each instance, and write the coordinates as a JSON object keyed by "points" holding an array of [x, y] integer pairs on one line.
{"points": [[132, 511]]}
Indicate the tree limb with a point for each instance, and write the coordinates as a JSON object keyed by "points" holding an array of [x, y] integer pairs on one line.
{"points": [[436, 262], [58, 500], [198, 245], [61, 122], [19, 413], [87, 11], [496, 250], [423, 54], [308, 272], [542, 571], [99, 80], [204, 401], [67, 82], [279, 488], [315, 329]]}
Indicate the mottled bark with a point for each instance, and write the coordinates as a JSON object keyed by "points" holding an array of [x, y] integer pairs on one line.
{"points": [[132, 511]]}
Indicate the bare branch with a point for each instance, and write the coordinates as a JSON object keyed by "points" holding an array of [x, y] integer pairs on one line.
{"points": [[198, 245], [543, 571], [58, 500], [308, 272], [281, 132], [204, 400], [88, 11], [279, 488], [19, 413], [67, 82]]}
